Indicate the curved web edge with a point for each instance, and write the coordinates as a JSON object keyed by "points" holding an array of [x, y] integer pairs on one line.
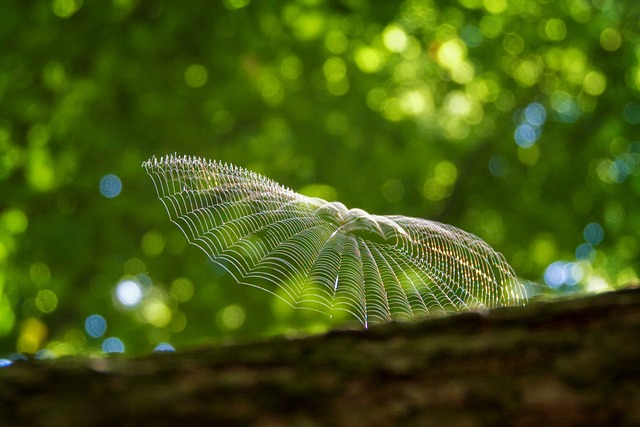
{"points": [[246, 223], [461, 257]]}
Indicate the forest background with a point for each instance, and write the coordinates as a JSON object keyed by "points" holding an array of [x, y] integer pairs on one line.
{"points": [[514, 120]]}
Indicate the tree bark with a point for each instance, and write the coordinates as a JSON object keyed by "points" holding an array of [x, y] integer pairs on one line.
{"points": [[568, 362]]}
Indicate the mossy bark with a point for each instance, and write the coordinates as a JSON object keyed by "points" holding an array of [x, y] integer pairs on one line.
{"points": [[568, 362]]}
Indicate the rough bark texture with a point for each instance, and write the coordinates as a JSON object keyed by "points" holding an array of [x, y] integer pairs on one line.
{"points": [[570, 362]]}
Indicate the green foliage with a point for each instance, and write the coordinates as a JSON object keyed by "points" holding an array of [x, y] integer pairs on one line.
{"points": [[412, 108]]}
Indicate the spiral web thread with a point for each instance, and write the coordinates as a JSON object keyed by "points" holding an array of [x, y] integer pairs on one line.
{"points": [[321, 256]]}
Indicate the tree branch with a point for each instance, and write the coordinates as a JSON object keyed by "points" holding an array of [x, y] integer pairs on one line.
{"points": [[568, 362]]}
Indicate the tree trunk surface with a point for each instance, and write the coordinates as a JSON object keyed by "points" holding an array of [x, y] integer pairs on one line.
{"points": [[562, 363]]}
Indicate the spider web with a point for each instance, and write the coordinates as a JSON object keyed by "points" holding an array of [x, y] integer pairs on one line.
{"points": [[322, 256]]}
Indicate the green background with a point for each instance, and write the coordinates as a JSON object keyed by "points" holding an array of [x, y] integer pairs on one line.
{"points": [[514, 120]]}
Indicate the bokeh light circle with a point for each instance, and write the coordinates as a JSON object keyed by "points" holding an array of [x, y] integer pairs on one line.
{"points": [[110, 186], [95, 326], [129, 293], [113, 345]]}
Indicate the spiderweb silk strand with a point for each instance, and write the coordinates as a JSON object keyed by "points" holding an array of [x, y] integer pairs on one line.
{"points": [[322, 256]]}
